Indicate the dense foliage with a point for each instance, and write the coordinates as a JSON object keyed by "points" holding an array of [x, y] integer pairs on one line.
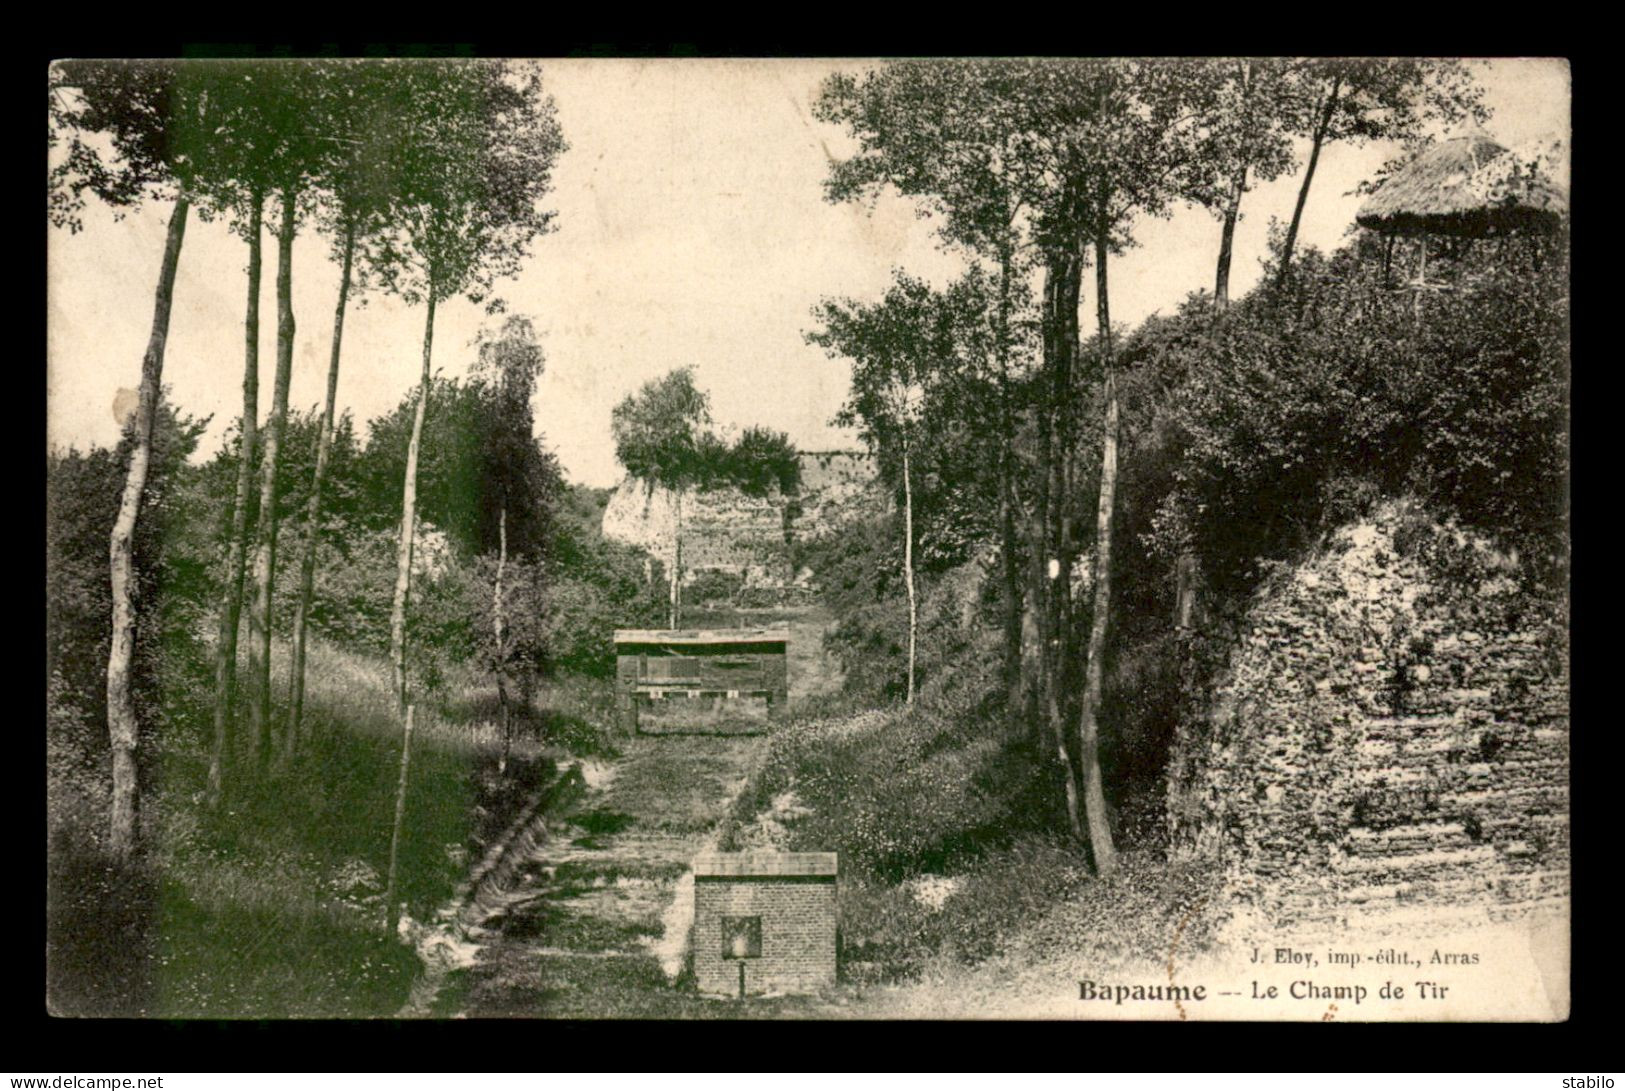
{"points": [[1296, 410], [173, 585], [1245, 438], [663, 434], [571, 587]]}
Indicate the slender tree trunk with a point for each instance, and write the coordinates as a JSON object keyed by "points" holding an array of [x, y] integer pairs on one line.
{"points": [[1039, 692], [1094, 801], [1064, 318], [1032, 665], [392, 911], [1185, 566], [1187, 579], [409, 510], [1035, 628], [1010, 564], [1043, 550], [1308, 177], [313, 511], [1074, 821], [1007, 516], [1046, 564], [499, 625], [908, 568], [1042, 693], [123, 732], [1232, 212], [675, 607], [259, 618], [231, 606]]}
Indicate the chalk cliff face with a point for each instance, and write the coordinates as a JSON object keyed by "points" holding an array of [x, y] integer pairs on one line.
{"points": [[726, 530], [1391, 730]]}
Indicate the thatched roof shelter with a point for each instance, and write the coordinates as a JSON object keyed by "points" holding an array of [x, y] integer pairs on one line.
{"points": [[1470, 186]]}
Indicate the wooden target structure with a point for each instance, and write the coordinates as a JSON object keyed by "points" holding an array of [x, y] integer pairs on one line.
{"points": [[653, 666]]}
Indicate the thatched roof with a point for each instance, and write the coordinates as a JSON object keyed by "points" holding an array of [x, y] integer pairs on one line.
{"points": [[1470, 185]]}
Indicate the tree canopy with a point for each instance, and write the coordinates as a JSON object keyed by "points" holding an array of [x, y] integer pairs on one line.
{"points": [[475, 155]]}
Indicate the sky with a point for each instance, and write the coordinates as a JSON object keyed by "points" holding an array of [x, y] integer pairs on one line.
{"points": [[691, 230]]}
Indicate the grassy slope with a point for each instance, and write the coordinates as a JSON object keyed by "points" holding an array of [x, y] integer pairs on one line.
{"points": [[952, 878], [275, 908]]}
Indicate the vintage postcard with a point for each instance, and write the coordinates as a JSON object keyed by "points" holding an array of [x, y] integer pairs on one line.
{"points": [[809, 539]]}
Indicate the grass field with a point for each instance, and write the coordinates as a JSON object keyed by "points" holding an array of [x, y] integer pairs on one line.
{"points": [[274, 908]]}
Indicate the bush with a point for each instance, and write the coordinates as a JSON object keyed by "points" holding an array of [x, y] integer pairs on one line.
{"points": [[714, 587], [1298, 410], [591, 589], [758, 462], [171, 560], [871, 644]]}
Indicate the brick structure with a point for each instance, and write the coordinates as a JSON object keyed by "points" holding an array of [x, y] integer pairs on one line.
{"points": [[772, 913], [1391, 730]]}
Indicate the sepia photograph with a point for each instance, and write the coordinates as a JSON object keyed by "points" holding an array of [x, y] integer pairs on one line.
{"points": [[808, 539]]}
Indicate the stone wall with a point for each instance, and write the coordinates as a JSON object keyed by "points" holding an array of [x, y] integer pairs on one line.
{"points": [[1391, 729], [728, 531], [793, 894]]}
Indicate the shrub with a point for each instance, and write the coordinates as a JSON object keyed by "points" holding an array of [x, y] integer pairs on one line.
{"points": [[1297, 411], [759, 461], [714, 587], [171, 559]]}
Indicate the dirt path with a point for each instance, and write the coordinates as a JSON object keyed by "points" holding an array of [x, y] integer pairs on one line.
{"points": [[576, 937], [592, 926]]}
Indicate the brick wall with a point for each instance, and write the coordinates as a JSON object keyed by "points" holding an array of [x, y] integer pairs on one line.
{"points": [[794, 895], [1390, 730]]}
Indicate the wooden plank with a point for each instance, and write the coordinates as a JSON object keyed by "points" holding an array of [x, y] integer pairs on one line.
{"points": [[702, 636], [707, 691]]}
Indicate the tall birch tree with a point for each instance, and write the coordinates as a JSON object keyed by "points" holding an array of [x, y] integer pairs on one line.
{"points": [[947, 134], [512, 477], [355, 120], [661, 437], [1123, 144], [126, 132], [287, 100], [479, 143], [900, 347], [245, 154]]}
